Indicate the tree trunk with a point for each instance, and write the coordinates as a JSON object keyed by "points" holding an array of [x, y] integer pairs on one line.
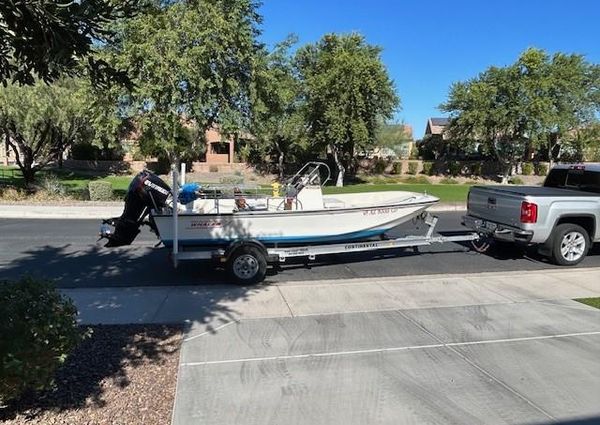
{"points": [[280, 160], [507, 169], [28, 176], [341, 170]]}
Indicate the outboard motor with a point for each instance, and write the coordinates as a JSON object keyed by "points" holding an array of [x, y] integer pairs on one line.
{"points": [[146, 192]]}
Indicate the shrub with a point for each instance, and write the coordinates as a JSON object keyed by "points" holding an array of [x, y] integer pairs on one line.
{"points": [[454, 168], [100, 190], [541, 169], [379, 166], [416, 180], [38, 330], [516, 180], [12, 194], [412, 167], [428, 168], [213, 168], [527, 168], [397, 168], [53, 187], [231, 180], [476, 169], [448, 180], [85, 152]]}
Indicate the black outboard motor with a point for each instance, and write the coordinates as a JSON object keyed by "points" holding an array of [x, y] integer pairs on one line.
{"points": [[146, 192]]}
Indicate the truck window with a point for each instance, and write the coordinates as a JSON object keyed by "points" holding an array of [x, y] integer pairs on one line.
{"points": [[588, 181]]}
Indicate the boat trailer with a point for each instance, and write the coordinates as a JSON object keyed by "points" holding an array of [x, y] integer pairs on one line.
{"points": [[246, 259]]}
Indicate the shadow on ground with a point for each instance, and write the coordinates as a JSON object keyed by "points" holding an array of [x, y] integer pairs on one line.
{"points": [[95, 266]]}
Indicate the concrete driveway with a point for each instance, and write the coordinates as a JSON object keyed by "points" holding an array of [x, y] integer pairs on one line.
{"points": [[490, 349]]}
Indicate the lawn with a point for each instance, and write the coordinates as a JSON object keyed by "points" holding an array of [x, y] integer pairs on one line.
{"points": [[446, 192], [75, 182], [594, 302]]}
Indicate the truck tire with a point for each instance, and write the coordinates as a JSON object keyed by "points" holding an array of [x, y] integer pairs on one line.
{"points": [[570, 244], [247, 265]]}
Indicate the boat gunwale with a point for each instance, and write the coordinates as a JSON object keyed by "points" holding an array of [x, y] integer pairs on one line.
{"points": [[265, 213]]}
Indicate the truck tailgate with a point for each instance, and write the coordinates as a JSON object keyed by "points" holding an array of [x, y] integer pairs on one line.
{"points": [[496, 204]]}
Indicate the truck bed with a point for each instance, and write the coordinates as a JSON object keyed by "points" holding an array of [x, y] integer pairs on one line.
{"points": [[535, 191]]}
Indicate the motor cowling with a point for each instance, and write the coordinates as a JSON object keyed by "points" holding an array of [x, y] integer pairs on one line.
{"points": [[146, 191]]}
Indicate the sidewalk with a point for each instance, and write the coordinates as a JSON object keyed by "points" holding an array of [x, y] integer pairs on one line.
{"points": [[71, 210], [98, 210], [211, 306]]}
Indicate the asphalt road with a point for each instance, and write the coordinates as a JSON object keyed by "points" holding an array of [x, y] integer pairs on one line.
{"points": [[67, 251]]}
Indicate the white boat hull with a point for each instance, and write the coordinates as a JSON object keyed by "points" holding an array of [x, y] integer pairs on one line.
{"points": [[347, 223]]}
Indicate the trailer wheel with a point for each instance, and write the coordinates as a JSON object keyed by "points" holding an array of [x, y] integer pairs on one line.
{"points": [[570, 244], [247, 265]]}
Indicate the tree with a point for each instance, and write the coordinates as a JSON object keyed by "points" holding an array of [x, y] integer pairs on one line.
{"points": [[582, 144], [192, 64], [529, 104], [277, 120], [347, 92], [47, 39], [40, 121], [560, 97], [110, 117], [489, 108]]}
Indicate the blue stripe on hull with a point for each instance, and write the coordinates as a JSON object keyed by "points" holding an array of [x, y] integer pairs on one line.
{"points": [[364, 234]]}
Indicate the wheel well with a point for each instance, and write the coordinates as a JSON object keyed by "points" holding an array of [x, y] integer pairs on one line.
{"points": [[587, 222], [234, 246]]}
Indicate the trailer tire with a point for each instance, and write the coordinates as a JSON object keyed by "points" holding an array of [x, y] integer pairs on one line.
{"points": [[570, 244], [247, 265]]}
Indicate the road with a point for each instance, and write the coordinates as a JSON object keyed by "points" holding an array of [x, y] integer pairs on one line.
{"points": [[67, 251]]}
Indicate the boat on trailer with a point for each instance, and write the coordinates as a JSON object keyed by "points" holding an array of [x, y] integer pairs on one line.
{"points": [[247, 231]]}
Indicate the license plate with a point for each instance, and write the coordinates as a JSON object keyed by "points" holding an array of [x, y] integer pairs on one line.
{"points": [[489, 226]]}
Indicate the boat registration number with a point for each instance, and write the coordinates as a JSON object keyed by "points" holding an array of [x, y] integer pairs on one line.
{"points": [[378, 211]]}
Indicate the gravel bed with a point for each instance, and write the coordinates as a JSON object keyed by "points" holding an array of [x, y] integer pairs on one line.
{"points": [[119, 375]]}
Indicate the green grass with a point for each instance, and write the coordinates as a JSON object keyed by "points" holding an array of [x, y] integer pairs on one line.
{"points": [[594, 302], [75, 182], [446, 193]]}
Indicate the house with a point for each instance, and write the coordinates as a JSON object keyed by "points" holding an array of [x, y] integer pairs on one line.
{"points": [[437, 127], [434, 143], [219, 150]]}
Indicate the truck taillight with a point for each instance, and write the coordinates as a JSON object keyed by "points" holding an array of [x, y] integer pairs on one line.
{"points": [[529, 212]]}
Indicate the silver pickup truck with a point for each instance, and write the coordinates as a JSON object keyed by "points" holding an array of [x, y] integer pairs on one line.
{"points": [[561, 217]]}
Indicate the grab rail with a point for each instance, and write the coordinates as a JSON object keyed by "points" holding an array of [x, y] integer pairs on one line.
{"points": [[302, 178]]}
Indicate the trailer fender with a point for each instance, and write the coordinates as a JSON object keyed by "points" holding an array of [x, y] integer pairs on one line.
{"points": [[234, 246]]}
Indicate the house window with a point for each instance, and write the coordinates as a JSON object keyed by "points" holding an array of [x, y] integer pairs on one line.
{"points": [[220, 148]]}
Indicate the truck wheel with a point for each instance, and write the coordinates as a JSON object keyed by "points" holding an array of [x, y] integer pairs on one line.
{"points": [[247, 265], [570, 244]]}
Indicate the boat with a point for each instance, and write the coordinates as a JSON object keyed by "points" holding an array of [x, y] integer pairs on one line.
{"points": [[216, 216]]}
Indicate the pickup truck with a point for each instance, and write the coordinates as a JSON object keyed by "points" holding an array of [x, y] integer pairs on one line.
{"points": [[561, 217]]}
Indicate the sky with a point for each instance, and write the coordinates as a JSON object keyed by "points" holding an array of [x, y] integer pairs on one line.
{"points": [[427, 45]]}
